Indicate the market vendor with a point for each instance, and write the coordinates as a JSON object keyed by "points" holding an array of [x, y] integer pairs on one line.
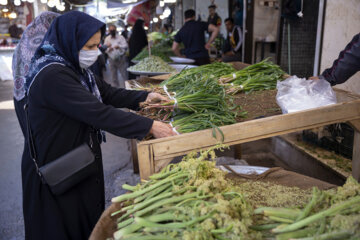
{"points": [[346, 65], [67, 107], [213, 16], [192, 35], [233, 43]]}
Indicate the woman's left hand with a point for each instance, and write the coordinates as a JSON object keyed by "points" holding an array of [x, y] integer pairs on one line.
{"points": [[155, 97]]}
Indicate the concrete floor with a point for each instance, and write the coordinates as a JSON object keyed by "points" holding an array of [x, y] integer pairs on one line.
{"points": [[116, 158]]}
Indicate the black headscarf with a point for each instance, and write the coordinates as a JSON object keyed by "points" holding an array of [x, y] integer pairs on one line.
{"points": [[138, 39], [63, 41]]}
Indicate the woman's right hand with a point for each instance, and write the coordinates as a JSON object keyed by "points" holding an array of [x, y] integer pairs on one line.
{"points": [[160, 130]]}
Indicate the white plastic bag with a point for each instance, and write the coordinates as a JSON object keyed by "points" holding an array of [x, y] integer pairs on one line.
{"points": [[296, 94]]}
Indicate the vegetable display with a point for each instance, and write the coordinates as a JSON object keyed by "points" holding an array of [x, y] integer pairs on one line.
{"points": [[152, 64], [260, 76], [161, 48], [195, 200], [333, 214], [189, 200], [200, 102]]}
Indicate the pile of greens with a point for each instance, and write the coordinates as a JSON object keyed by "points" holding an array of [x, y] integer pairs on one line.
{"points": [[260, 76], [195, 200], [333, 214], [157, 50], [201, 102], [152, 64], [189, 200]]}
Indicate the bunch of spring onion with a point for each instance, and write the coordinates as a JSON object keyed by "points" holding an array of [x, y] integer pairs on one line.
{"points": [[186, 123], [333, 214], [260, 76], [188, 200], [202, 76], [202, 102]]}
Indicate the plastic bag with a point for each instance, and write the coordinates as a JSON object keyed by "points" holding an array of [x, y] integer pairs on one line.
{"points": [[296, 94]]}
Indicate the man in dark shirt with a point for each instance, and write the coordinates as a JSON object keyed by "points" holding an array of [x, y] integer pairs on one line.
{"points": [[213, 16], [234, 39], [192, 35]]}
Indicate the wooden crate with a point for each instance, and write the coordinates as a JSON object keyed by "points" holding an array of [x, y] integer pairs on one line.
{"points": [[153, 155]]}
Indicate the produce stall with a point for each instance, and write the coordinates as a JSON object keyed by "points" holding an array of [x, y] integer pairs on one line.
{"points": [[199, 199], [194, 199], [153, 155]]}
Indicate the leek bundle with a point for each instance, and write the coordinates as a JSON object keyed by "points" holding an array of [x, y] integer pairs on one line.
{"points": [[260, 76]]}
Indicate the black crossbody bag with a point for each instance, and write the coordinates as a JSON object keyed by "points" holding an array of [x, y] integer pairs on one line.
{"points": [[66, 171]]}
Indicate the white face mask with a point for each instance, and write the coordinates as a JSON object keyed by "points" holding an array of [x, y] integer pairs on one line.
{"points": [[88, 57]]}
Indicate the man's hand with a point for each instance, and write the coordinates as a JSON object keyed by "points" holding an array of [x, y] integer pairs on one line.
{"points": [[314, 78], [160, 130], [116, 47], [155, 97], [208, 46]]}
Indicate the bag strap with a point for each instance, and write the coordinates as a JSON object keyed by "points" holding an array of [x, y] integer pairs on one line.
{"points": [[31, 142]]}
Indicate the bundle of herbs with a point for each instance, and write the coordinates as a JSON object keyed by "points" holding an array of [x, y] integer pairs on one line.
{"points": [[188, 200], [332, 214], [260, 76]]}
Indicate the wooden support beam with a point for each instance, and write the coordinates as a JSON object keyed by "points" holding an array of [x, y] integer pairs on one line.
{"points": [[167, 148], [356, 156], [134, 155], [355, 124], [146, 160], [237, 151], [256, 129]]}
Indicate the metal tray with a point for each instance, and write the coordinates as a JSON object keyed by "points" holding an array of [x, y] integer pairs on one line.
{"points": [[242, 169]]}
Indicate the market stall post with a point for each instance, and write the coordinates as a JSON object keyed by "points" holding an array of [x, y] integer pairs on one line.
{"points": [[356, 150], [152, 153]]}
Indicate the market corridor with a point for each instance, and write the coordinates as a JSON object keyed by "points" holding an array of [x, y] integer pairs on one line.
{"points": [[116, 158]]}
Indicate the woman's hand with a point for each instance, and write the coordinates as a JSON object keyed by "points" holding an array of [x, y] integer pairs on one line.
{"points": [[155, 97], [160, 130]]}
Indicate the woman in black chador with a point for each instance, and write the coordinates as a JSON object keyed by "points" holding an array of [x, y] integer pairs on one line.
{"points": [[65, 103]]}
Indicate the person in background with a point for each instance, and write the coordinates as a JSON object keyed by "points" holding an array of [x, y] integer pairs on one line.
{"points": [[15, 31], [116, 49], [67, 107], [125, 33], [24, 51], [138, 40], [232, 46], [346, 65], [213, 16], [167, 29], [192, 35]]}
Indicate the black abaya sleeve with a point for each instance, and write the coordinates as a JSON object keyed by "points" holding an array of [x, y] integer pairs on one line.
{"points": [[61, 91], [119, 97]]}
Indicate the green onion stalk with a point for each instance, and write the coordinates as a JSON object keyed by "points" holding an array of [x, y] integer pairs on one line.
{"points": [[260, 76], [333, 214]]}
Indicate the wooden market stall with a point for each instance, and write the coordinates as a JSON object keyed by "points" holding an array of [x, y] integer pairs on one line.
{"points": [[153, 155]]}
